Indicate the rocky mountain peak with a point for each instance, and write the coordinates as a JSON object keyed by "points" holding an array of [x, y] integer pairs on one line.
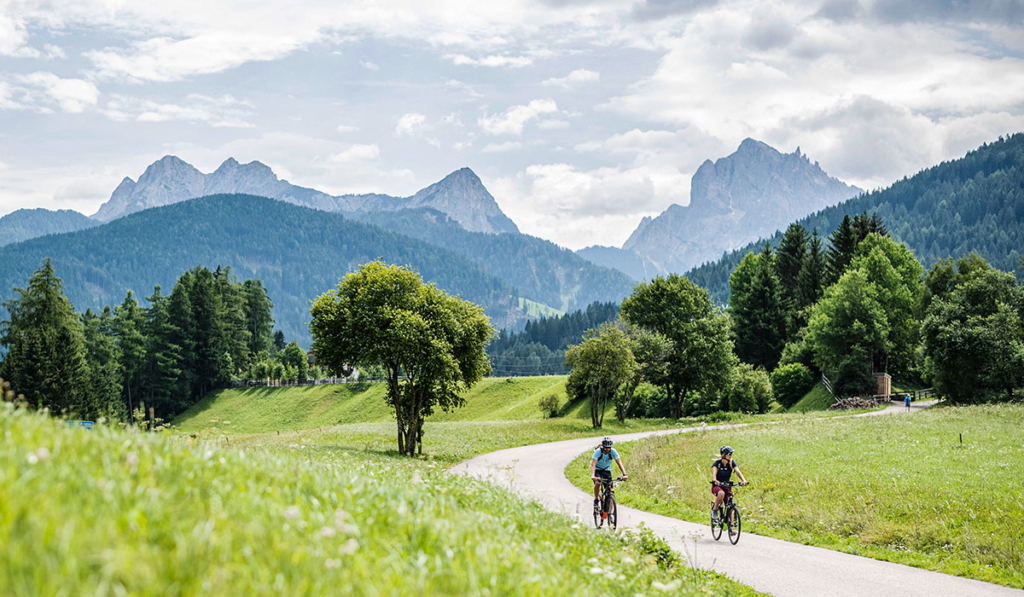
{"points": [[734, 200]]}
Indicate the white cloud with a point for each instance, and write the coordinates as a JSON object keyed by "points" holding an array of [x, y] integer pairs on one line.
{"points": [[581, 75], [356, 153], [463, 87], [578, 208], [223, 111], [500, 147], [369, 65], [552, 125], [512, 120], [169, 59], [410, 124], [42, 89], [346, 128], [493, 61]]}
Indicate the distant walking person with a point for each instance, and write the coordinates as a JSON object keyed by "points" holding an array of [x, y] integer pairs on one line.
{"points": [[906, 401]]}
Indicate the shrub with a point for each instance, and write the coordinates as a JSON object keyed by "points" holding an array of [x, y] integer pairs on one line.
{"points": [[549, 406], [790, 383], [751, 392]]}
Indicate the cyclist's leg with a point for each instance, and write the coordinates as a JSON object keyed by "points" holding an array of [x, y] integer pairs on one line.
{"points": [[719, 494]]}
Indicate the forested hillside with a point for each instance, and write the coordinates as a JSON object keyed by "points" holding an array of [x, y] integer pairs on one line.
{"points": [[540, 348], [975, 203], [24, 224], [297, 252], [540, 269]]}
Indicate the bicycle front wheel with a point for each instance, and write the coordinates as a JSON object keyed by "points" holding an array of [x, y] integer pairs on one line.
{"points": [[716, 527], [613, 513], [733, 521]]}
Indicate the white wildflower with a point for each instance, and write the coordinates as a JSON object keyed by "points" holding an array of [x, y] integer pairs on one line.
{"points": [[349, 547], [596, 570], [292, 512], [332, 563], [328, 532]]}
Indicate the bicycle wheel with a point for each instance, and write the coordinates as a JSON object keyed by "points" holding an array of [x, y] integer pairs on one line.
{"points": [[598, 518], [716, 527], [733, 521], [613, 513]]}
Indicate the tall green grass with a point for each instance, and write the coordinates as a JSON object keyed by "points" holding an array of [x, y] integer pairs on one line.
{"points": [[900, 488], [110, 512]]}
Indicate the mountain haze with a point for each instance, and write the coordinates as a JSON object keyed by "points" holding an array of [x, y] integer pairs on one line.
{"points": [[169, 180], [749, 194], [540, 270]]}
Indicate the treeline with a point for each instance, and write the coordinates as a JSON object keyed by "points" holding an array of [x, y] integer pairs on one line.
{"points": [[540, 348], [865, 307], [974, 204], [106, 363]]}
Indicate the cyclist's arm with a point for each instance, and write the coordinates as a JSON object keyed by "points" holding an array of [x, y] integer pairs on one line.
{"points": [[739, 474], [618, 461], [593, 464], [714, 473]]}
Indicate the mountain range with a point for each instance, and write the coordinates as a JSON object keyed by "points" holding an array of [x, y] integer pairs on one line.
{"points": [[461, 194], [746, 195], [24, 224]]}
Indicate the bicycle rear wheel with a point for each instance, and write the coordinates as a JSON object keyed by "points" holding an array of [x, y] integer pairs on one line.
{"points": [[733, 521], [613, 513]]}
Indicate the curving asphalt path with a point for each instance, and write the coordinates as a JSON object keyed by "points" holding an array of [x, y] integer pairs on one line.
{"points": [[768, 565]]}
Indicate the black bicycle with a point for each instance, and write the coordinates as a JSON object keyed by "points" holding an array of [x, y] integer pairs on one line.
{"points": [[731, 520], [607, 511]]}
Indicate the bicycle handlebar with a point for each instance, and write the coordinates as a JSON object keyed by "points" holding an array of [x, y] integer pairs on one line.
{"points": [[729, 484]]}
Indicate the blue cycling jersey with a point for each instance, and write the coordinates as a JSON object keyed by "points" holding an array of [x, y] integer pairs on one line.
{"points": [[604, 461]]}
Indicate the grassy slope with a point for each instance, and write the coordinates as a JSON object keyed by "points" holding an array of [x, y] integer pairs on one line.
{"points": [[109, 513], [260, 410], [817, 399], [841, 484]]}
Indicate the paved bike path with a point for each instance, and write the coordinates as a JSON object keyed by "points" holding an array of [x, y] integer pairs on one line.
{"points": [[768, 565]]}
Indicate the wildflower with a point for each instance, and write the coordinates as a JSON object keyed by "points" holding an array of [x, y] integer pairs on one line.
{"points": [[332, 563], [292, 512], [349, 547], [327, 532], [132, 459], [667, 587], [596, 570]]}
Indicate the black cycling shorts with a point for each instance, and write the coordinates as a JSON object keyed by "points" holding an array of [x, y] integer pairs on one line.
{"points": [[605, 474]]}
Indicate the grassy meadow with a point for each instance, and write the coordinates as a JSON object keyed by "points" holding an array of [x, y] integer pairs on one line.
{"points": [[112, 512], [900, 488]]}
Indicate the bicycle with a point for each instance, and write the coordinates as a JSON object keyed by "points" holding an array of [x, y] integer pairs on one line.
{"points": [[607, 510], [731, 518]]}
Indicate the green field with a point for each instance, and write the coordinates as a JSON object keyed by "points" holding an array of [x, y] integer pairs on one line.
{"points": [[818, 398], [899, 488], [110, 512], [260, 410]]}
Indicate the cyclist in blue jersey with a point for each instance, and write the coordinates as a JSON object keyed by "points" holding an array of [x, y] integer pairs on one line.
{"points": [[601, 467]]}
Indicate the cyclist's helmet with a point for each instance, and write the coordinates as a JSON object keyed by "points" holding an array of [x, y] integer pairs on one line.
{"points": [[606, 442], [727, 450]]}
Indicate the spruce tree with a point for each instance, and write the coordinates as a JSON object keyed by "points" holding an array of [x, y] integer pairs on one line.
{"points": [[232, 321], [258, 320], [758, 316], [812, 273], [842, 244], [212, 356], [129, 327], [163, 356], [182, 323], [46, 357], [104, 357]]}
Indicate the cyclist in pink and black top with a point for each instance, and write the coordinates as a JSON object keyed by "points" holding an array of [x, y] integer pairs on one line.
{"points": [[721, 472]]}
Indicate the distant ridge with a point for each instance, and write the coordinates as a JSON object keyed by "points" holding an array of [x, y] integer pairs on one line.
{"points": [[170, 179], [24, 224]]}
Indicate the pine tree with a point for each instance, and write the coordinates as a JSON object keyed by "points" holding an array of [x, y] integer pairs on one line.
{"points": [[163, 356], [212, 357], [258, 320], [182, 324], [758, 316], [842, 244], [232, 321], [46, 357], [812, 273], [104, 357], [129, 327]]}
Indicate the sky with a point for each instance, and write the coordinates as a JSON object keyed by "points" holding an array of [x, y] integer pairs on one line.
{"points": [[580, 116]]}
